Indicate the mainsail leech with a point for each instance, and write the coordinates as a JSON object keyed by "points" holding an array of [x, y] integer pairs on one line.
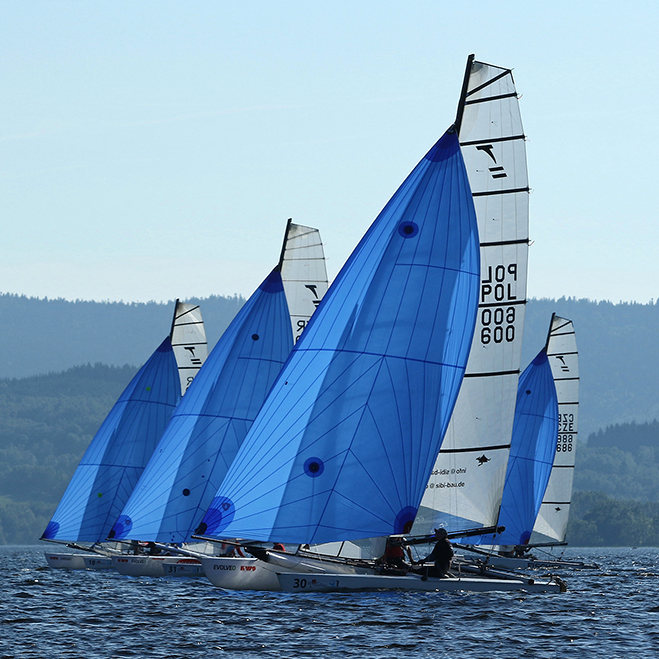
{"points": [[343, 445]]}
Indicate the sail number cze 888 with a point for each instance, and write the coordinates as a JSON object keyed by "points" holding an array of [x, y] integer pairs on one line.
{"points": [[498, 293], [565, 430]]}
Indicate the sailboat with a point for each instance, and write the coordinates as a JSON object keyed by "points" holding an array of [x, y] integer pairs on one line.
{"points": [[532, 451], [466, 484], [524, 498], [212, 420], [551, 524], [118, 453], [345, 442], [343, 446]]}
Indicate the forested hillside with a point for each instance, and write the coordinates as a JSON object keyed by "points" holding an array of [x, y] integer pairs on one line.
{"points": [[45, 336], [618, 359], [46, 423]]}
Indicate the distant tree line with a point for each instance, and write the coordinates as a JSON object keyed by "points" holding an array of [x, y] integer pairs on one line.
{"points": [[47, 421], [618, 360]]}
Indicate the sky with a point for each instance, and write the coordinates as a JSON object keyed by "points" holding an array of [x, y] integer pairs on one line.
{"points": [[153, 149]]}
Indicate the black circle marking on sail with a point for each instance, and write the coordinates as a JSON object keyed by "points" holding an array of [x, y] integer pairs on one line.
{"points": [[408, 229], [314, 467]]}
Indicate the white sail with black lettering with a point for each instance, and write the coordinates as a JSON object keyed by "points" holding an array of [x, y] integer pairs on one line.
{"points": [[188, 341], [466, 484], [551, 523], [303, 273]]}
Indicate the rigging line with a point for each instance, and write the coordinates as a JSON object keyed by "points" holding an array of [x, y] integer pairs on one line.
{"points": [[499, 97], [490, 193]]}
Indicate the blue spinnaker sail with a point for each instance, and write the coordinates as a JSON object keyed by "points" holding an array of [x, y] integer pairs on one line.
{"points": [[118, 453], [211, 422], [532, 450], [344, 444]]}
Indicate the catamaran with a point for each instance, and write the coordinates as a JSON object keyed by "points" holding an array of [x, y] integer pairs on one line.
{"points": [[118, 453], [344, 444], [212, 420], [547, 500]]}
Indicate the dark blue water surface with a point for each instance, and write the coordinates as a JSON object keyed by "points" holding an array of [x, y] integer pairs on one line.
{"points": [[610, 612]]}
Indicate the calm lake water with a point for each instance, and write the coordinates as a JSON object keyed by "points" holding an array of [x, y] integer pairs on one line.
{"points": [[610, 612]]}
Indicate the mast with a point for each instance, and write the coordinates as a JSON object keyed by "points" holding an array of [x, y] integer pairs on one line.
{"points": [[283, 245], [463, 95]]}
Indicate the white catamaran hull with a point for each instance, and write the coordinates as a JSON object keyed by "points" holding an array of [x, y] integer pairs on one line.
{"points": [[98, 562], [240, 573], [292, 582], [255, 574], [67, 560], [157, 566]]}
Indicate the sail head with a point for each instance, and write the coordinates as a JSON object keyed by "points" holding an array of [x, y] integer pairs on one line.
{"points": [[188, 338]]}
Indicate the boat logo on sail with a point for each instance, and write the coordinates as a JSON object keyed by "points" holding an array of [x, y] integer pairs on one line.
{"points": [[497, 170]]}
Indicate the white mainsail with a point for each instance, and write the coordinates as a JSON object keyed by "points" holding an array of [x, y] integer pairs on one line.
{"points": [[303, 273], [188, 341], [466, 484], [551, 524]]}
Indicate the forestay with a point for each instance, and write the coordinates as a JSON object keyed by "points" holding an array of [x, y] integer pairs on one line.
{"points": [[466, 485], [118, 453], [551, 524], [188, 341], [211, 422], [344, 443], [303, 273]]}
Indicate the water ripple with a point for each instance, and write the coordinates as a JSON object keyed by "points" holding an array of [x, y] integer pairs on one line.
{"points": [[611, 611]]}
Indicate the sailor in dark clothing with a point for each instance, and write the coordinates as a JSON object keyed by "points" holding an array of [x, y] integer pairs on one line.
{"points": [[441, 555]]}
